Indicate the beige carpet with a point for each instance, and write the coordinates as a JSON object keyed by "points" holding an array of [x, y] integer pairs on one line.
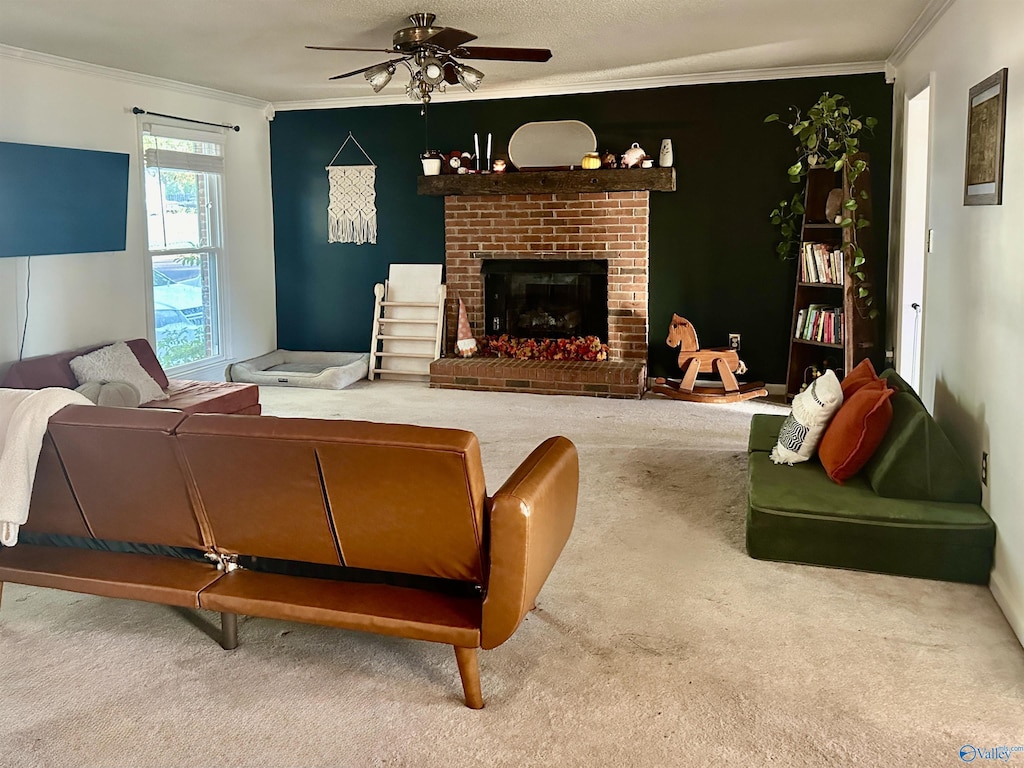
{"points": [[657, 641]]}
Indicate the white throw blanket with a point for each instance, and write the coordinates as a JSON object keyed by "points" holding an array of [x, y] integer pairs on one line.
{"points": [[24, 414]]}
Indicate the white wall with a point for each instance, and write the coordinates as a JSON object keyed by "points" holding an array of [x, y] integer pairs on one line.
{"points": [[80, 299], [974, 300]]}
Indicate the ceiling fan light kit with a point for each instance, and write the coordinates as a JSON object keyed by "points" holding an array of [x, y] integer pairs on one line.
{"points": [[380, 75], [469, 78], [430, 53], [432, 70]]}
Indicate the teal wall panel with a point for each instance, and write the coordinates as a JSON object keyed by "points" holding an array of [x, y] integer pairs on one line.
{"points": [[712, 246]]}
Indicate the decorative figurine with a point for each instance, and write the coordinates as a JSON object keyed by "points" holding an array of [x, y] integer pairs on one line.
{"points": [[452, 162], [465, 346], [631, 157], [499, 166], [608, 160]]}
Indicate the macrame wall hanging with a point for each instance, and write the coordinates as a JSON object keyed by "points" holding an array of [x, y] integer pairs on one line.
{"points": [[352, 208]]}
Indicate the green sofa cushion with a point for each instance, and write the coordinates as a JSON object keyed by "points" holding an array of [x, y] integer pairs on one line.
{"points": [[898, 383], [764, 431], [915, 459], [796, 514]]}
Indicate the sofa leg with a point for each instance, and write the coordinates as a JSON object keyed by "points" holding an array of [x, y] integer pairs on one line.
{"points": [[469, 671], [229, 631]]}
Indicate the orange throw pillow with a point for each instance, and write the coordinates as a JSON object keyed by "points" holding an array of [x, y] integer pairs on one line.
{"points": [[862, 373], [856, 431]]}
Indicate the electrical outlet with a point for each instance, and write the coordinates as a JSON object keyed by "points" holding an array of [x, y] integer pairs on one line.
{"points": [[734, 341], [984, 467]]}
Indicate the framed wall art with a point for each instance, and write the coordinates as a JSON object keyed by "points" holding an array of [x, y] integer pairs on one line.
{"points": [[986, 124]]}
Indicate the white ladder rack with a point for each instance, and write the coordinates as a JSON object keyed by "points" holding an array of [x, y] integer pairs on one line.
{"points": [[433, 331]]}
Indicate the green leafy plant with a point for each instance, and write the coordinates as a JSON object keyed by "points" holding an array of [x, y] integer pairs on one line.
{"points": [[180, 347], [828, 136]]}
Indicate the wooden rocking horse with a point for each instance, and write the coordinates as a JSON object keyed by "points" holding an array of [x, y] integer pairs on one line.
{"points": [[693, 360]]}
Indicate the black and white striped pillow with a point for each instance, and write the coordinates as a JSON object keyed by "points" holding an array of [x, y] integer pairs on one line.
{"points": [[812, 410]]}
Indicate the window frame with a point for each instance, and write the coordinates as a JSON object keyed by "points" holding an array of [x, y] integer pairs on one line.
{"points": [[217, 249]]}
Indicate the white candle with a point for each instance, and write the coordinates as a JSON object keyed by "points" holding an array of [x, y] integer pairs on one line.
{"points": [[488, 151], [476, 150]]}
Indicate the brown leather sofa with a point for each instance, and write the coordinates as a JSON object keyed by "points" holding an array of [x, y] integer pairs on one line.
{"points": [[383, 528], [183, 394]]}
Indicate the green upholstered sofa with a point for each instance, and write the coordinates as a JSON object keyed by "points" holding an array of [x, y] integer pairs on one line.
{"points": [[912, 511]]}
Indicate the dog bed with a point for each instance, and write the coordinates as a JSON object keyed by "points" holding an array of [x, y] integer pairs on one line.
{"points": [[284, 368]]}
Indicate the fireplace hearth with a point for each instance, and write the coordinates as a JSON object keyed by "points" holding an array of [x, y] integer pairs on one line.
{"points": [[538, 298]]}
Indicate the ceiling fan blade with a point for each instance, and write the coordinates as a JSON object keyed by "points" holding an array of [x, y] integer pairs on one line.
{"points": [[364, 69], [449, 38], [333, 48], [502, 54]]}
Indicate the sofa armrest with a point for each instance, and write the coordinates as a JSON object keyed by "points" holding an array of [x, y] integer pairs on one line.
{"points": [[531, 517]]}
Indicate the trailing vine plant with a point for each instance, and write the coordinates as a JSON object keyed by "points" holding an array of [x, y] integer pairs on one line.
{"points": [[828, 136]]}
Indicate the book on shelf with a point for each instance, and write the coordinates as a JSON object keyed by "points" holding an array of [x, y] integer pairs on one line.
{"points": [[821, 263], [821, 323]]}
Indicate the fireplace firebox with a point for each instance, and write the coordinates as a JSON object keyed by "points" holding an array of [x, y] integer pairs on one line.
{"points": [[538, 298]]}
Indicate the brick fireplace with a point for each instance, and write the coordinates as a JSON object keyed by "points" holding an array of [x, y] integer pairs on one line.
{"points": [[611, 226], [599, 217]]}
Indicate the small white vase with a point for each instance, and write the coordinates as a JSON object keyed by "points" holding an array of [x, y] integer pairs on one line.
{"points": [[665, 158], [431, 166]]}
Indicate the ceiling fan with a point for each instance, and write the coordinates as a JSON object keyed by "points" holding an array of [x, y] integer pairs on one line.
{"points": [[431, 54]]}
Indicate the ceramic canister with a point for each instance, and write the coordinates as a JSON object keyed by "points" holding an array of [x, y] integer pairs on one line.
{"points": [[665, 158], [431, 166]]}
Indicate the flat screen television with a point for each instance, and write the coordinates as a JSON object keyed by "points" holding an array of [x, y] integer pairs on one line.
{"points": [[61, 200]]}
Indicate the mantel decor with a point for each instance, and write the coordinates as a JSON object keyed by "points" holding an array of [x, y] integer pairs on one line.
{"points": [[550, 182], [986, 124]]}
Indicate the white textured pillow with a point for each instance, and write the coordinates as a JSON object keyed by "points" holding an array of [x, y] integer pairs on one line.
{"points": [[117, 363], [812, 410]]}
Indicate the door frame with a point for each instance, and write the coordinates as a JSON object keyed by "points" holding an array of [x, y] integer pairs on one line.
{"points": [[925, 84]]}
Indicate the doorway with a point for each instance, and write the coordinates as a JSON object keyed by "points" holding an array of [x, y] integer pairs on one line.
{"points": [[917, 142]]}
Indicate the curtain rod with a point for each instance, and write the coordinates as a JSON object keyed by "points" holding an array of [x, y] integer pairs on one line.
{"points": [[140, 111]]}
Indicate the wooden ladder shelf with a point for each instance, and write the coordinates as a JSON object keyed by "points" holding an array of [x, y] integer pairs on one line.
{"points": [[384, 320]]}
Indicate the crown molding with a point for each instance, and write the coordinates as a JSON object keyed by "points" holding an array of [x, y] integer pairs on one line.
{"points": [[515, 92], [664, 81], [35, 57], [925, 20]]}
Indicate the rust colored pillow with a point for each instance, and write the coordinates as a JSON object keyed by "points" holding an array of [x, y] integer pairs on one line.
{"points": [[856, 431], [862, 373]]}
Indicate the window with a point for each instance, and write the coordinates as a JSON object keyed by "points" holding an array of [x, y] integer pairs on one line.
{"points": [[184, 176]]}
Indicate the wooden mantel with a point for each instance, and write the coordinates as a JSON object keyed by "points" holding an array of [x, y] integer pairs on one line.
{"points": [[550, 182]]}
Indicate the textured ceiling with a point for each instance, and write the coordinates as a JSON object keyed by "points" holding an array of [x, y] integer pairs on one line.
{"points": [[255, 47]]}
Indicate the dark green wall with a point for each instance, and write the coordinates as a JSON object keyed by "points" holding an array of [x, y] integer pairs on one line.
{"points": [[712, 247]]}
